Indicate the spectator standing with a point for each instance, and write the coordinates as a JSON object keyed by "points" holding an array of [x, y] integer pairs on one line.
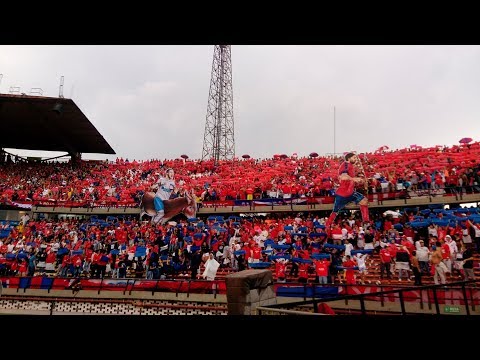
{"points": [[439, 267], [416, 268], [321, 270], [385, 261], [468, 263]]}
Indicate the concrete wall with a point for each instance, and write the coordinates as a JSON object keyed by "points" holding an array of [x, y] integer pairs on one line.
{"points": [[248, 289], [90, 302], [39, 306]]}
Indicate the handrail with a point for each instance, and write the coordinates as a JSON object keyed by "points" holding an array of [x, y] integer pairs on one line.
{"points": [[114, 284], [261, 309], [399, 290]]}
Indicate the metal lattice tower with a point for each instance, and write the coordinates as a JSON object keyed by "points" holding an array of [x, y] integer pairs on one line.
{"points": [[219, 139]]}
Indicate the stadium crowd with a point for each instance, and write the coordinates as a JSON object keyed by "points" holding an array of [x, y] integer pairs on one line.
{"points": [[122, 182], [119, 247], [434, 241]]}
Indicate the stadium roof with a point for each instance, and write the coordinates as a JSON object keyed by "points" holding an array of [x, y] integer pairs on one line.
{"points": [[46, 123]]}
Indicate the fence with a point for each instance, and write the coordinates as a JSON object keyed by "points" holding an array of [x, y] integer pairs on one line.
{"points": [[456, 298]]}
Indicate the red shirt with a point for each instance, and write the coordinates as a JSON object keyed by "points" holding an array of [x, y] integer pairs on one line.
{"points": [[392, 249], [77, 260], [280, 269], [387, 225], [304, 254], [336, 231], [303, 271], [445, 251], [96, 258], [257, 252], [409, 232], [349, 273], [441, 233], [23, 267], [347, 187], [321, 267], [247, 252], [408, 245], [50, 258], [65, 260], [385, 256]]}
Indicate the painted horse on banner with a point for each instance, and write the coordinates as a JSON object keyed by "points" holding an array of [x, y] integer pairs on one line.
{"points": [[184, 205]]}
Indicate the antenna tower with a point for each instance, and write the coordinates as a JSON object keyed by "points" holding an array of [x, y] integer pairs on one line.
{"points": [[219, 139]]}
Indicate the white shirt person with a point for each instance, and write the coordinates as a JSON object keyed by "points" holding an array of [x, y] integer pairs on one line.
{"points": [[166, 186]]}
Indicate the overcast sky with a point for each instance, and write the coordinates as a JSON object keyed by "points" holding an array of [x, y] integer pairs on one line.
{"points": [[151, 101]]}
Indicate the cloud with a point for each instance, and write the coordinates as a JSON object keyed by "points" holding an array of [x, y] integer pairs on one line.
{"points": [[151, 101]]}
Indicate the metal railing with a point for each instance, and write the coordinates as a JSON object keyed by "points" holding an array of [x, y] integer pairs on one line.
{"points": [[458, 297]]}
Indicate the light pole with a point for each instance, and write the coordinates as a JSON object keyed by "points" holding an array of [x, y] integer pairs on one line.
{"points": [[334, 135]]}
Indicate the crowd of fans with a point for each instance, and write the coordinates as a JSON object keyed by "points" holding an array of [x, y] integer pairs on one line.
{"points": [[418, 242], [123, 181], [124, 247]]}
